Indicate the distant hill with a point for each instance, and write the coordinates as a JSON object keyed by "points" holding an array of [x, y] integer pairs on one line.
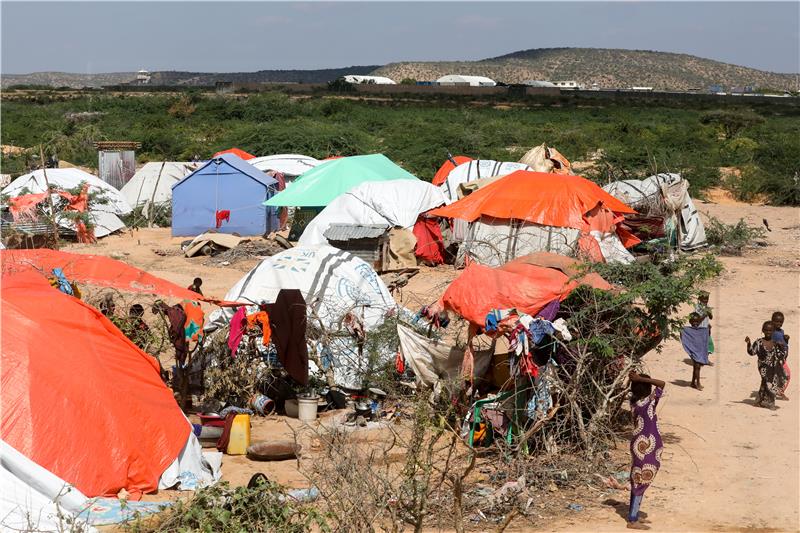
{"points": [[77, 81], [614, 68]]}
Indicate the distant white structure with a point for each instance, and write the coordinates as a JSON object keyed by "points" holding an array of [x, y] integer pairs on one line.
{"points": [[472, 81], [569, 84], [538, 83], [642, 89], [143, 77], [376, 80]]}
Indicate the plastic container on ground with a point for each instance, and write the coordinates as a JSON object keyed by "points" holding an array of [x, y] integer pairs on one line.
{"points": [[240, 435], [307, 408]]}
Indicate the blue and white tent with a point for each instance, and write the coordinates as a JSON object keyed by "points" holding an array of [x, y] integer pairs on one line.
{"points": [[226, 194]]}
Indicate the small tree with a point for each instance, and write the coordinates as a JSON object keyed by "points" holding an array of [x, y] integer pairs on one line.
{"points": [[731, 123]]}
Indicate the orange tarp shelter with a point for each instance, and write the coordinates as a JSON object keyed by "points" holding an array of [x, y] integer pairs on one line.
{"points": [[537, 197], [447, 167], [78, 397], [235, 151]]}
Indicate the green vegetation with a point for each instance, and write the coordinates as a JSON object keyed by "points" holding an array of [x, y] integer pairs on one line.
{"points": [[732, 239], [634, 137]]}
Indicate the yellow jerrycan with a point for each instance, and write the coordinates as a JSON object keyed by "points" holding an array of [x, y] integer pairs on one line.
{"points": [[240, 435]]}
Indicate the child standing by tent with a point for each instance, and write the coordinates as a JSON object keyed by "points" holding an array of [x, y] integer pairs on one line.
{"points": [[694, 339], [646, 443], [771, 357]]}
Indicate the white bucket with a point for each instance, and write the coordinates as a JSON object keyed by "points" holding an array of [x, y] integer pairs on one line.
{"points": [[307, 409]]}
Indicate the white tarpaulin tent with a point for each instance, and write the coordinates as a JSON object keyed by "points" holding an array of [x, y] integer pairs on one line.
{"points": [[475, 170], [104, 216], [396, 203], [333, 283], [153, 182], [290, 165], [34, 499], [664, 193]]}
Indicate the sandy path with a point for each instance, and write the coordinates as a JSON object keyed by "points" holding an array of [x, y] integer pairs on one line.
{"points": [[728, 466]]}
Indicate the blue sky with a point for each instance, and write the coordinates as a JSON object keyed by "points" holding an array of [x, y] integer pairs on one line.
{"points": [[91, 37]]}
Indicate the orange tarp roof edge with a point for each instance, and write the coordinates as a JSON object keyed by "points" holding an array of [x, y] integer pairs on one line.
{"points": [[94, 270], [80, 399], [537, 197], [447, 167], [235, 151]]}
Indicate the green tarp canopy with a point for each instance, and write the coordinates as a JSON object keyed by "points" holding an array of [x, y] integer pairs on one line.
{"points": [[320, 185]]}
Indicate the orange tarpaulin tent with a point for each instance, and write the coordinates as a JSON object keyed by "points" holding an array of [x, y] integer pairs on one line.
{"points": [[94, 270], [447, 167], [519, 285], [537, 197], [235, 151], [78, 397]]}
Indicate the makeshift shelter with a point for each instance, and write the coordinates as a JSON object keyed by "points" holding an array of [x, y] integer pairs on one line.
{"points": [[395, 203], [153, 182], [225, 193], [472, 81], [544, 158], [447, 167], [334, 283], [527, 212], [241, 154], [108, 424], [105, 217], [474, 170], [320, 186], [369, 80], [664, 195], [290, 165], [523, 285]]}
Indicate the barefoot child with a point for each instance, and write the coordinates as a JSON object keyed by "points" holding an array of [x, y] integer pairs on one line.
{"points": [[771, 357], [706, 316], [779, 337], [694, 339], [646, 444]]}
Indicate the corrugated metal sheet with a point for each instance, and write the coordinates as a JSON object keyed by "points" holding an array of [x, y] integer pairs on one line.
{"points": [[117, 167], [346, 232]]}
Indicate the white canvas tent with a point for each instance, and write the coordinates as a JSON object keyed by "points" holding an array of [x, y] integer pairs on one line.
{"points": [[472, 81], [153, 182], [395, 203], [104, 216], [377, 80], [333, 282], [664, 194], [475, 170], [290, 165]]}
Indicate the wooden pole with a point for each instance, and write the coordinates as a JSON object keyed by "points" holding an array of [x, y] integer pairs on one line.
{"points": [[49, 197]]}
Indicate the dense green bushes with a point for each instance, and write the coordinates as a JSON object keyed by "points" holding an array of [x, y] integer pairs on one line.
{"points": [[634, 140]]}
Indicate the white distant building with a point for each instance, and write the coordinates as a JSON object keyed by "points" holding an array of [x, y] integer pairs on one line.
{"points": [[569, 84], [143, 77], [538, 83], [376, 80], [642, 89], [471, 81]]}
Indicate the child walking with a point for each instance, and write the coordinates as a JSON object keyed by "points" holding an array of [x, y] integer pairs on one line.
{"points": [[779, 337], [771, 357], [646, 443], [694, 339], [706, 315]]}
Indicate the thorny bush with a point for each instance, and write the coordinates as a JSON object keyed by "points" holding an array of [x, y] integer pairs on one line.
{"points": [[732, 239]]}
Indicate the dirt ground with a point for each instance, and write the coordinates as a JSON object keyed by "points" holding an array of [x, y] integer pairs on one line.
{"points": [[727, 465]]}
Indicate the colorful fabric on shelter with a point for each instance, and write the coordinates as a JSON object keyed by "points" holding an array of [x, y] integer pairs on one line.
{"points": [[106, 424], [77, 202], [24, 207], [237, 328], [221, 216], [260, 319], [61, 283], [195, 319], [430, 243], [288, 316]]}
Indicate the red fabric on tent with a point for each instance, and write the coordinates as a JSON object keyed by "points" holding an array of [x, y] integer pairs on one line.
{"points": [[447, 167], [430, 247], [94, 270], [569, 266], [235, 151], [540, 198], [78, 397]]}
